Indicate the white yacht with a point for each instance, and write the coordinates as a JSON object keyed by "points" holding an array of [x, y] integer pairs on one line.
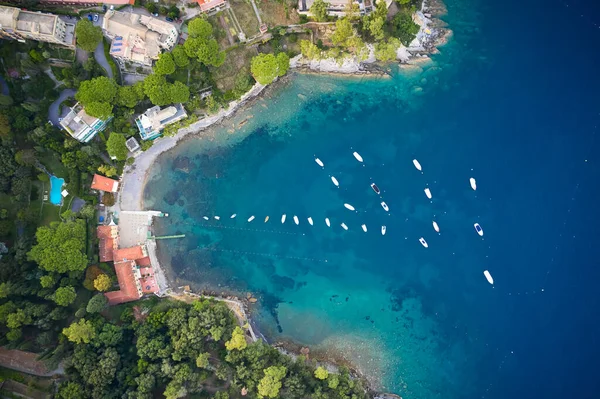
{"points": [[473, 183], [251, 218], [364, 227], [327, 222], [344, 226], [334, 180], [384, 206], [218, 217], [350, 207], [428, 193], [423, 242], [296, 219], [478, 229], [205, 217], [488, 277], [383, 230], [357, 156], [233, 216], [283, 218], [417, 164], [319, 162], [375, 188], [436, 227], [310, 221]]}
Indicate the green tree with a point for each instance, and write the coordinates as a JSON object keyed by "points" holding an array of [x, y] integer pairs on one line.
{"points": [[165, 64], [115, 145], [97, 96], [102, 282], [156, 88], [178, 93], [180, 57], [333, 381], [82, 331], [4, 127], [266, 67], [97, 304], [5, 289], [47, 281], [202, 360], [404, 28], [99, 110], [130, 96], [310, 50], [64, 296], [321, 373], [70, 390], [60, 247], [343, 31], [200, 27], [237, 341], [88, 36], [6, 100], [270, 384], [319, 10], [387, 51], [107, 170], [403, 2]]}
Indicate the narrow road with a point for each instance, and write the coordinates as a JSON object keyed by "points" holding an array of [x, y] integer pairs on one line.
{"points": [[256, 12], [53, 113], [101, 58]]}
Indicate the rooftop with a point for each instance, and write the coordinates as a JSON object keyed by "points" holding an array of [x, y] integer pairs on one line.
{"points": [[107, 237], [36, 22], [127, 283], [104, 184], [151, 122], [206, 5], [133, 253]]}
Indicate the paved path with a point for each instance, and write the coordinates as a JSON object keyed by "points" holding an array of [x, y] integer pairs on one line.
{"points": [[53, 113], [256, 12], [101, 58]]}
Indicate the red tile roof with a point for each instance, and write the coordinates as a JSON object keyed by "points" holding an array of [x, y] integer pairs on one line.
{"points": [[107, 236], [206, 5], [149, 285], [129, 290], [104, 184], [145, 261], [133, 253]]}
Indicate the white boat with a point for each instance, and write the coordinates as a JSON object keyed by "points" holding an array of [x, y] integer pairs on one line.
{"points": [[364, 227], [283, 218], [319, 162], [233, 216], [436, 227], [266, 219], [310, 221], [251, 218], [417, 164], [357, 156], [205, 217], [344, 226], [296, 219], [348, 206], [218, 217], [327, 222], [423, 242], [478, 229], [383, 229], [428, 193], [384, 206], [489, 277], [334, 180], [375, 188], [473, 183]]}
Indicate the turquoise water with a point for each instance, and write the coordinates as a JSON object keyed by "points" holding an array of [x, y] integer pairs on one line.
{"points": [[56, 184], [496, 105]]}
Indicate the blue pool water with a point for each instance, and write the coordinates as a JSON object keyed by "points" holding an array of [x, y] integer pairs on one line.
{"points": [[56, 184], [511, 101]]}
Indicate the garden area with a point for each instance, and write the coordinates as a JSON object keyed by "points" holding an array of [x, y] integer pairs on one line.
{"points": [[246, 17], [278, 12]]}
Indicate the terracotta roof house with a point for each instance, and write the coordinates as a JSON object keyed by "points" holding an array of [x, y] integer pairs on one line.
{"points": [[107, 236], [128, 275], [208, 5], [104, 184]]}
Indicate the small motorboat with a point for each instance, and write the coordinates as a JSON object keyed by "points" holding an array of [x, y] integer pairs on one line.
{"points": [[478, 229], [218, 217], [473, 183], [334, 180], [266, 219], [319, 162], [327, 222], [205, 217], [384, 206], [233, 216], [383, 229], [350, 207], [344, 226], [296, 219], [357, 156], [436, 227], [423, 242], [364, 227], [428, 193], [488, 277], [283, 218], [375, 188], [417, 164], [310, 221], [251, 218]]}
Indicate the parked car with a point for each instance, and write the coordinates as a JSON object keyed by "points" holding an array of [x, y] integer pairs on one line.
{"points": [[90, 17], [104, 7], [169, 19], [96, 17]]}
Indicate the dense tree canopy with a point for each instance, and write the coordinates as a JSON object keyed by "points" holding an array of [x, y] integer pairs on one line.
{"points": [[319, 10], [321, 373], [266, 67], [387, 51], [201, 45], [343, 31], [81, 331], [270, 384], [98, 96], [165, 64], [88, 36], [130, 96], [97, 304], [404, 28], [115, 145], [64, 296], [180, 57], [161, 92], [200, 27], [237, 341], [60, 247], [102, 282]]}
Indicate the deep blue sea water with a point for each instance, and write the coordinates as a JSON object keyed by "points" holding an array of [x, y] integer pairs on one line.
{"points": [[512, 101]]}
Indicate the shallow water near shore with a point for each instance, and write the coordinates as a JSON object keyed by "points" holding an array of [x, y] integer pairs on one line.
{"points": [[423, 323]]}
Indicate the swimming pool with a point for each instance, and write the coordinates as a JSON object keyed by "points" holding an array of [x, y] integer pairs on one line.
{"points": [[56, 184]]}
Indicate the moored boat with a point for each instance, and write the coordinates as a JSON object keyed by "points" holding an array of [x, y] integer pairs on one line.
{"points": [[283, 218], [423, 242], [296, 219], [344, 226], [319, 162], [357, 156], [384, 206], [266, 219], [327, 222], [251, 218], [310, 221], [334, 180], [233, 216], [488, 277], [375, 188], [417, 164], [364, 227], [350, 207], [436, 227], [205, 217], [383, 230], [478, 229], [428, 193], [473, 183]]}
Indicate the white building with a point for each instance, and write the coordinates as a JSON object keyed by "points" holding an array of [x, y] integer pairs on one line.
{"points": [[20, 25], [154, 120], [81, 126], [138, 38]]}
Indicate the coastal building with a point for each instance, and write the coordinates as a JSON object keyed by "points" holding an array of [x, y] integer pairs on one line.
{"points": [[154, 120], [138, 38], [132, 144], [211, 5], [134, 274], [107, 241], [17, 24], [337, 8], [105, 184], [81, 126]]}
